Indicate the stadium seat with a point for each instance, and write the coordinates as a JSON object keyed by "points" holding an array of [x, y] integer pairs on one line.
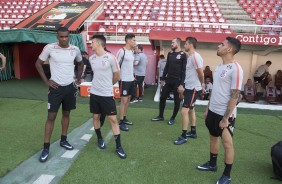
{"points": [[271, 93], [278, 79], [250, 91]]}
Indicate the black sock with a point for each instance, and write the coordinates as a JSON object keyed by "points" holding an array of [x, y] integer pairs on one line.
{"points": [[193, 129], [124, 117], [98, 133], [46, 145], [184, 134], [63, 138], [117, 138], [213, 159], [227, 169]]}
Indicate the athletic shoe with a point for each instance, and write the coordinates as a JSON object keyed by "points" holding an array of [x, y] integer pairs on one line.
{"points": [[127, 122], [123, 127], [169, 98], [121, 153], [101, 144], [191, 135], [171, 121], [180, 140], [140, 99], [44, 155], [158, 118], [207, 167], [133, 101], [224, 180], [66, 145]]}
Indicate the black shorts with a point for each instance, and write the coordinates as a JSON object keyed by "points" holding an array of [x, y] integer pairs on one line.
{"points": [[126, 88], [65, 95], [102, 105], [190, 97], [258, 79], [212, 123]]}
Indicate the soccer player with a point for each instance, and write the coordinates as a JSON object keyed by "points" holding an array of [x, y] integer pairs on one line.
{"points": [[221, 111], [126, 61], [140, 71], [62, 88], [106, 74], [194, 78], [173, 78]]}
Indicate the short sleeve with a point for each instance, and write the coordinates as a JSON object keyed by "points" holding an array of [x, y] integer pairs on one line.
{"points": [[237, 77], [114, 64], [198, 61], [78, 56], [45, 53]]}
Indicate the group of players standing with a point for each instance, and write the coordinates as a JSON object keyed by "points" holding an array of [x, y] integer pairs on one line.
{"points": [[183, 74]]}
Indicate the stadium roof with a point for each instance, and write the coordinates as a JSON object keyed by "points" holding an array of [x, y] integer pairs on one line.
{"points": [[37, 36]]}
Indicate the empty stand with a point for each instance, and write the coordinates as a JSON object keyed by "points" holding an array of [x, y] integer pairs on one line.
{"points": [[265, 12]]}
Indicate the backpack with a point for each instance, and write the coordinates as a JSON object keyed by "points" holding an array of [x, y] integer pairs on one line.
{"points": [[276, 156]]}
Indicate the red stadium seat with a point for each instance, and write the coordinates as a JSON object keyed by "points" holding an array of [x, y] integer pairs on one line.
{"points": [[271, 93], [250, 92]]}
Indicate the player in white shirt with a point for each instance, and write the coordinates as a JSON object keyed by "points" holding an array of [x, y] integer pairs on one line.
{"points": [[125, 57], [194, 77], [221, 111], [62, 89], [105, 74]]}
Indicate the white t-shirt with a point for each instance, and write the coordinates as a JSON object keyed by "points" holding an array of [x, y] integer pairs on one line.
{"points": [[194, 62], [61, 62], [261, 70], [161, 66], [140, 68], [126, 70], [207, 87], [103, 68], [226, 77]]}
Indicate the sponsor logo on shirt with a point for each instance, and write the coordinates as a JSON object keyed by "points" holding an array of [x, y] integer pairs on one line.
{"points": [[229, 67], [178, 56]]}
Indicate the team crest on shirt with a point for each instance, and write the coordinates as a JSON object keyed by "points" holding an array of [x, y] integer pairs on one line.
{"points": [[71, 52], [104, 62], [223, 73], [229, 67], [124, 92], [178, 56]]}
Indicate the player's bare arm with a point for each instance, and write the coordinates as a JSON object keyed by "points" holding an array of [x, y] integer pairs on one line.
{"points": [[116, 77]]}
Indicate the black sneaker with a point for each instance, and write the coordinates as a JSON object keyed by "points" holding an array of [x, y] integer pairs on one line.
{"points": [[123, 127], [101, 144], [171, 121], [191, 135], [207, 167], [127, 122], [121, 153], [158, 118], [66, 145], [180, 140], [224, 180], [44, 155]]}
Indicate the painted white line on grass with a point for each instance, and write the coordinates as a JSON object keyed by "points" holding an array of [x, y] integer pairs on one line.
{"points": [[44, 179], [92, 128], [70, 153], [86, 137], [108, 137]]}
